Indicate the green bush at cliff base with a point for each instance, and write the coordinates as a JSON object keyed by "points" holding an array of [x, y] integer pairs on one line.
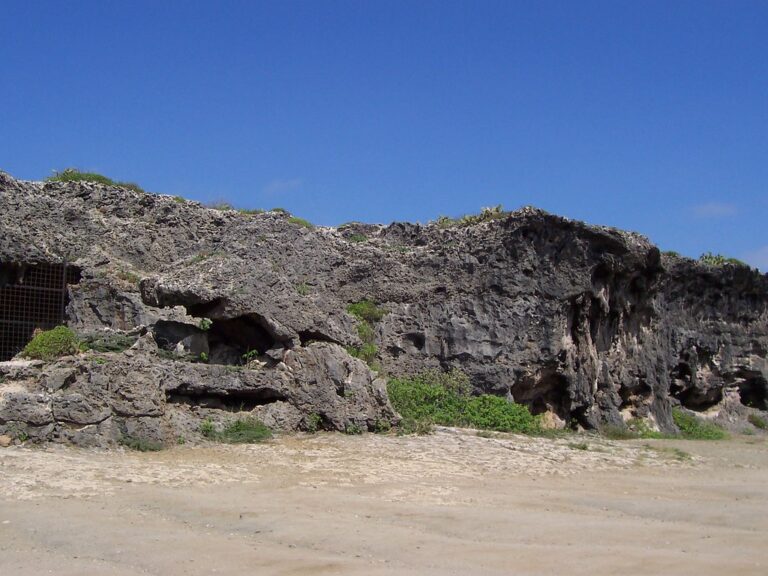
{"points": [[443, 398], [694, 428], [244, 431], [50, 344]]}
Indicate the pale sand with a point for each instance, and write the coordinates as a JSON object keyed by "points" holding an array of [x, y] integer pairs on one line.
{"points": [[450, 503]]}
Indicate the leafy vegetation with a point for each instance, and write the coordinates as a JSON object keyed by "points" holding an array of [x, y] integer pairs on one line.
{"points": [[301, 222], [303, 289], [313, 423], [719, 260], [758, 422], [352, 428], [140, 444], [691, 428], [50, 344], [205, 324], [241, 431], [694, 428], [443, 398], [208, 428], [220, 205], [75, 175], [250, 211], [366, 311], [485, 215], [357, 238], [367, 314]]}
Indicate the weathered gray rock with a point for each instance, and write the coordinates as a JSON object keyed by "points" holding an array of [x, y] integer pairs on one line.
{"points": [[588, 324]]}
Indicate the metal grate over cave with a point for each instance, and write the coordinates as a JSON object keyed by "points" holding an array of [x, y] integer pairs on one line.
{"points": [[32, 296]]}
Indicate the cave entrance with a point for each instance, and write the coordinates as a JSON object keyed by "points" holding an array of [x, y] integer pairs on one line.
{"points": [[231, 340], [31, 296], [754, 392], [543, 392]]}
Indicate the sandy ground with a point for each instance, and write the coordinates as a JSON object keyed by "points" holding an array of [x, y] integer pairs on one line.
{"points": [[450, 503]]}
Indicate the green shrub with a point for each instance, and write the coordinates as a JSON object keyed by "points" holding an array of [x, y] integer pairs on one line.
{"points": [[443, 398], [75, 175], [313, 423], [382, 426], [357, 238], [758, 422], [719, 260], [245, 431], [50, 344], [250, 211], [367, 352], [352, 429], [366, 311], [208, 428], [367, 314], [301, 222], [694, 428], [140, 444], [495, 413], [205, 324], [410, 426]]}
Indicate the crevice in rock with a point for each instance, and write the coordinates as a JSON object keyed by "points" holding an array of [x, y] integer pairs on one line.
{"points": [[231, 401], [308, 336]]}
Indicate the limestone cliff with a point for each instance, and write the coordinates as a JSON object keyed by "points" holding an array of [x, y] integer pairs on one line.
{"points": [[590, 324]]}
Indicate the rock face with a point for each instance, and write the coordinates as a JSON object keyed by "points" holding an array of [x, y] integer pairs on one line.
{"points": [[590, 325]]}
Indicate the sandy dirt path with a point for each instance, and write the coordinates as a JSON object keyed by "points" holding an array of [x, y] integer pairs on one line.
{"points": [[449, 503]]}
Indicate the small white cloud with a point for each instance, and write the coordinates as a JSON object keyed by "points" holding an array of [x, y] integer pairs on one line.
{"points": [[714, 210], [758, 258], [278, 187]]}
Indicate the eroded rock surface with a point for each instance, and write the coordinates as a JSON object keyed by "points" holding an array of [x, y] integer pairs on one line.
{"points": [[588, 324]]}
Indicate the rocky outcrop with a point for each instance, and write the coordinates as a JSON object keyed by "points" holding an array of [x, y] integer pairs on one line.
{"points": [[590, 325]]}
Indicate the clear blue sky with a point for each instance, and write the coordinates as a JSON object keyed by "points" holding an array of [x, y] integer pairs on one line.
{"points": [[650, 116]]}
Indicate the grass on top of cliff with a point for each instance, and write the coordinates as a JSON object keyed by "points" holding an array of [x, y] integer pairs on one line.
{"points": [[443, 398], [75, 175]]}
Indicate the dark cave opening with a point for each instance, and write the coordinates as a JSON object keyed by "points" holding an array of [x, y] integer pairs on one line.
{"points": [[32, 296], [231, 341], [543, 392], [231, 401], [754, 392], [234, 340]]}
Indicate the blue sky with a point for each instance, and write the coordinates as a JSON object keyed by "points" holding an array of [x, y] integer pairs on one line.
{"points": [[649, 116]]}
